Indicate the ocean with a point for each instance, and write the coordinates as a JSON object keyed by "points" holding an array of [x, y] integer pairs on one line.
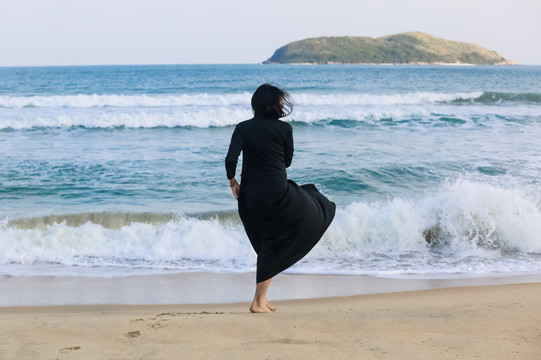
{"points": [[114, 171]]}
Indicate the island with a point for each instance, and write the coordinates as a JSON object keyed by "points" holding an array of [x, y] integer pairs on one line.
{"points": [[404, 48]]}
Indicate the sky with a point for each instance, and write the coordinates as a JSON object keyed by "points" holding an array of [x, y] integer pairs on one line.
{"points": [[111, 32]]}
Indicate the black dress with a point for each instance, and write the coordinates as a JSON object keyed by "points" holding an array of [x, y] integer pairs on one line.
{"points": [[283, 221]]}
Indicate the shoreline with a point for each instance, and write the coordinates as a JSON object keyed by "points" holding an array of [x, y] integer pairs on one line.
{"points": [[482, 322], [219, 288]]}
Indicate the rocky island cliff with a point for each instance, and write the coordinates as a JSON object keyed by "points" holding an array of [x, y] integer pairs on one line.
{"points": [[404, 48]]}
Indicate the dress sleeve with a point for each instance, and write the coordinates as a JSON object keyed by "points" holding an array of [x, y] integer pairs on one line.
{"points": [[235, 147], [288, 151]]}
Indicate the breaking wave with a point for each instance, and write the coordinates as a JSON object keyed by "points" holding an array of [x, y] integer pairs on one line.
{"points": [[187, 100], [467, 227], [243, 99], [211, 110]]}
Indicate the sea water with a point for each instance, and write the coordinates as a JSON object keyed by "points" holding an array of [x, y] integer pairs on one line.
{"points": [[119, 170]]}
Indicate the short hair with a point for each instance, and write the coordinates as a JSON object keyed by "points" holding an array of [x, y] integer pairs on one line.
{"points": [[271, 101]]}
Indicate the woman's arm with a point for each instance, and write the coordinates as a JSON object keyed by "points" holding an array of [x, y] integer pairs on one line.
{"points": [[288, 150], [231, 159]]}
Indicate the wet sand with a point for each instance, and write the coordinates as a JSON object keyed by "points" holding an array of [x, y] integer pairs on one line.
{"points": [[204, 288]]}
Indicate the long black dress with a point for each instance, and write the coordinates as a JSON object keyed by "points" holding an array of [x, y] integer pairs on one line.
{"points": [[283, 221]]}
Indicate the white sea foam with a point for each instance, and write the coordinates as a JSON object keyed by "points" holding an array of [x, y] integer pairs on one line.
{"points": [[463, 215], [415, 98], [472, 228], [215, 117], [182, 244], [213, 110], [219, 116], [205, 99], [115, 100]]}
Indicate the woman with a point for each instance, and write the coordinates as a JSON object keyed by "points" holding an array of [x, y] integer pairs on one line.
{"points": [[282, 220]]}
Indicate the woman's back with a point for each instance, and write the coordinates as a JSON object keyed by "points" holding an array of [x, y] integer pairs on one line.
{"points": [[267, 146]]}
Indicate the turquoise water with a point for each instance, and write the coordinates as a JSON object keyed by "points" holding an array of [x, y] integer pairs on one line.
{"points": [[119, 170]]}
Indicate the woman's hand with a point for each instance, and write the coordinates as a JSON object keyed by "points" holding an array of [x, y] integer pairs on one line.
{"points": [[236, 190], [235, 187]]}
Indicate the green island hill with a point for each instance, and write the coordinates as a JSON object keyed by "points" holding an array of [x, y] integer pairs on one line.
{"points": [[405, 48]]}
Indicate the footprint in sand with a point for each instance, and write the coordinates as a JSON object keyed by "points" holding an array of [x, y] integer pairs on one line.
{"points": [[132, 334], [69, 349]]}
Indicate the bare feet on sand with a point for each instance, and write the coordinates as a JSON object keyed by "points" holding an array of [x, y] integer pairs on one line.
{"points": [[260, 303], [262, 307]]}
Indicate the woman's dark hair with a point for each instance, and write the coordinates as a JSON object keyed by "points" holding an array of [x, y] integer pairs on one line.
{"points": [[270, 101]]}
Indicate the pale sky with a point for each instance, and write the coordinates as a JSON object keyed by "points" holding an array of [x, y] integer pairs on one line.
{"points": [[100, 32]]}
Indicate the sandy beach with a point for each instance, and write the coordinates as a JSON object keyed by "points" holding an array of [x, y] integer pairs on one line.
{"points": [[477, 322]]}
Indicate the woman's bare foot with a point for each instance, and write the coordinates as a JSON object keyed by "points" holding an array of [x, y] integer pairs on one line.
{"points": [[262, 307], [260, 303]]}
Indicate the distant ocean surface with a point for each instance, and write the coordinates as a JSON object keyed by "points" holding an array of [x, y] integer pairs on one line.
{"points": [[119, 170]]}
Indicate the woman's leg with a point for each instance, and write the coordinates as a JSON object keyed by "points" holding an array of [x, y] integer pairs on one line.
{"points": [[260, 303]]}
